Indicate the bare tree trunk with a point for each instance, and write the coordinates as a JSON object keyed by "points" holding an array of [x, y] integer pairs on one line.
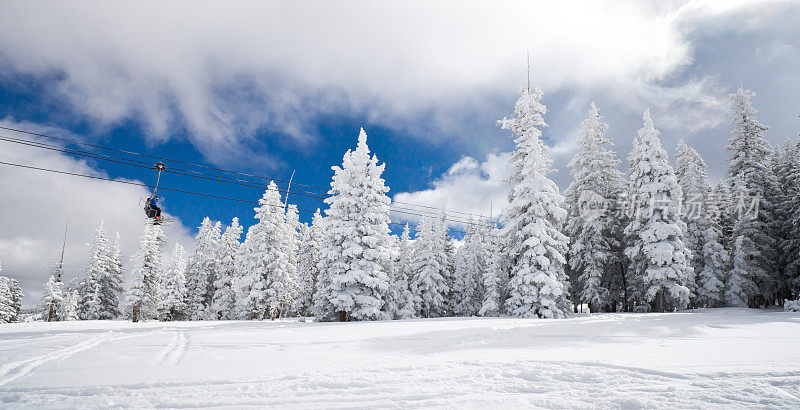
{"points": [[135, 314], [342, 316]]}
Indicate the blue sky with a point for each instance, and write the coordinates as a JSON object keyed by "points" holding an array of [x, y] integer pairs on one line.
{"points": [[268, 88]]}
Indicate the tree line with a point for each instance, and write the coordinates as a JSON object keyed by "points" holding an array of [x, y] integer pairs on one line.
{"points": [[655, 237]]}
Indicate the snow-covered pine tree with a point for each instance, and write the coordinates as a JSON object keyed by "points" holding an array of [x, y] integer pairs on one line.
{"points": [[491, 302], [355, 252], [393, 296], [470, 264], [265, 285], [111, 284], [429, 285], [6, 303], [292, 245], [445, 253], [710, 286], [14, 301], [655, 246], [792, 246], [596, 183], [101, 297], [749, 165], [403, 274], [307, 270], [692, 174], [532, 220], [172, 303], [787, 218], [52, 297], [70, 308], [142, 299], [201, 269], [223, 305]]}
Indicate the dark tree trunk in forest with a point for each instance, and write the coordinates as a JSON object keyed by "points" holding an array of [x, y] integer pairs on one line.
{"points": [[343, 316], [135, 314], [658, 303], [624, 287]]}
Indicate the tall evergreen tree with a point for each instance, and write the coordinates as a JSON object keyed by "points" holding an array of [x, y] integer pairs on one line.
{"points": [[172, 303], [265, 284], [223, 304], [655, 246], [532, 221], [70, 308], [492, 302], [787, 218], [596, 184], [6, 305], [52, 298], [355, 252], [13, 300], [402, 277], [692, 174], [428, 283], [142, 299], [111, 284], [307, 270], [749, 165], [201, 271], [470, 264]]}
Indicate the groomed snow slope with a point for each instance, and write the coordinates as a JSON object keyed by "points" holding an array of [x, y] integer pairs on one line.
{"points": [[720, 357]]}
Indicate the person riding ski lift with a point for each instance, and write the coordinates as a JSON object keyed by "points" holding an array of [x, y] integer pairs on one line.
{"points": [[151, 208]]}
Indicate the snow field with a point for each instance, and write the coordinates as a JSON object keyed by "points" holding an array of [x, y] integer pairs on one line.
{"points": [[716, 358]]}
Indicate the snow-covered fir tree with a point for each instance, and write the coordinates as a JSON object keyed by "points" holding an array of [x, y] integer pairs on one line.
{"points": [[749, 168], [532, 220], [265, 284], [655, 246], [223, 304], [292, 245], [103, 282], [307, 270], [445, 254], [201, 271], [52, 298], [172, 303], [402, 275], [596, 184], [355, 252], [70, 308], [491, 302], [7, 314], [428, 282], [11, 302], [470, 264], [710, 279], [142, 299], [111, 284], [692, 174], [787, 218], [393, 297]]}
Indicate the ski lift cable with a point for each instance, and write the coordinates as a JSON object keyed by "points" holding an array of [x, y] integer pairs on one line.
{"points": [[141, 184], [210, 167], [137, 164]]}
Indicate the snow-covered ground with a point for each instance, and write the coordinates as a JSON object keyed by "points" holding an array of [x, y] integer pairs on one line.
{"points": [[720, 357]]}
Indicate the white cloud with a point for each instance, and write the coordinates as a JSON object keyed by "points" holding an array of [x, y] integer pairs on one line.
{"points": [[227, 70], [36, 205], [467, 187]]}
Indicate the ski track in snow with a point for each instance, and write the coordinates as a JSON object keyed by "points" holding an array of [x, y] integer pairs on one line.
{"points": [[172, 354], [13, 371], [460, 384]]}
